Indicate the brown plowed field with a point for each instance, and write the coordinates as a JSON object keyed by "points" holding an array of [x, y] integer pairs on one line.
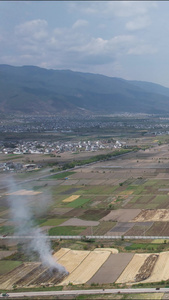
{"points": [[158, 229], [30, 274], [95, 214], [7, 281], [122, 215], [139, 229], [112, 268], [76, 212]]}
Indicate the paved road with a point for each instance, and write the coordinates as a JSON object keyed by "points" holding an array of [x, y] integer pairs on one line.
{"points": [[88, 292], [79, 237]]}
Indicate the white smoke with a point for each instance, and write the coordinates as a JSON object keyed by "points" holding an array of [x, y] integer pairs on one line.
{"points": [[23, 216]]}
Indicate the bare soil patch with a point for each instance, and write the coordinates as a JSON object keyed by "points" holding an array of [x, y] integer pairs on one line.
{"points": [[152, 215], [122, 215], [112, 268], [24, 193], [79, 222]]}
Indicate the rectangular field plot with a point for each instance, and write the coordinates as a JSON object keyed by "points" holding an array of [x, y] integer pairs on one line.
{"points": [[73, 259], [61, 252], [112, 268], [132, 268], [74, 212], [161, 269], [158, 229], [7, 266], [149, 215], [78, 202], [53, 222], [66, 230], [17, 274], [122, 215], [138, 229], [87, 268], [94, 214], [79, 222], [101, 229], [120, 228]]}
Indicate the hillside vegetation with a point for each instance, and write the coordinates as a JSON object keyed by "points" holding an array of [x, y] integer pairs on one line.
{"points": [[34, 90]]}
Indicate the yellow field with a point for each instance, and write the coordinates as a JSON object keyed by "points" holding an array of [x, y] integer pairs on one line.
{"points": [[87, 268], [161, 269], [57, 255], [23, 193], [71, 198], [72, 259], [112, 250], [129, 273]]}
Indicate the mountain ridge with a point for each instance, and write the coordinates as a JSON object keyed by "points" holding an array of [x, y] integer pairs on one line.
{"points": [[35, 90]]}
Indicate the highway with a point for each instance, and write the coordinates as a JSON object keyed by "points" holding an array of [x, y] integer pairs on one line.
{"points": [[88, 292], [79, 237]]}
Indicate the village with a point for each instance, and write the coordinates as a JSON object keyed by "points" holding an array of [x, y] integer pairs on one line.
{"points": [[52, 149]]}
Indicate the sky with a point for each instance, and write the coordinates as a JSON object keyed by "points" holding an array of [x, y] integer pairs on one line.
{"points": [[125, 39]]}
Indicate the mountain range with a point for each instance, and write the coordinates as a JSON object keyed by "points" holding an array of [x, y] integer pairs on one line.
{"points": [[34, 90]]}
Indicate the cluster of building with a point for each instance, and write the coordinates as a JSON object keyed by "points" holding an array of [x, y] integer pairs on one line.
{"points": [[36, 147]]}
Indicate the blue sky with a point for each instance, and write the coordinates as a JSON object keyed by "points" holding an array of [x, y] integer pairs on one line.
{"points": [[127, 39]]}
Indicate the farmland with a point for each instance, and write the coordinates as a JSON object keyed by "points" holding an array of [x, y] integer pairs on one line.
{"points": [[123, 196]]}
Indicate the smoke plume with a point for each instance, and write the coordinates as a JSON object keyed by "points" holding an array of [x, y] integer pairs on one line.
{"points": [[22, 214]]}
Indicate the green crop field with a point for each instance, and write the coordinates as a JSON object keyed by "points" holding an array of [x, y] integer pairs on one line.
{"points": [[7, 266], [53, 222], [66, 230], [78, 202]]}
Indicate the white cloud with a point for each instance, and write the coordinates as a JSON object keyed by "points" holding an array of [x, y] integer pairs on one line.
{"points": [[116, 8], [80, 23], [140, 22], [142, 50], [35, 29]]}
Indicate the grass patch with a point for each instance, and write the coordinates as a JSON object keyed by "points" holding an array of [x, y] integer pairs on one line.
{"points": [[78, 202], [53, 222], [148, 247], [6, 229], [66, 230], [7, 266]]}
